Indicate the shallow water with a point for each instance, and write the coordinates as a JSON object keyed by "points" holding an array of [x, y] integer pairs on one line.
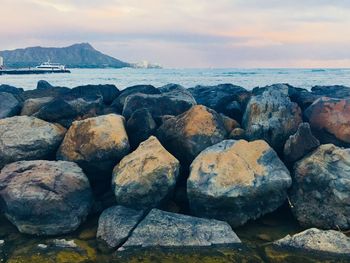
{"points": [[247, 78]]}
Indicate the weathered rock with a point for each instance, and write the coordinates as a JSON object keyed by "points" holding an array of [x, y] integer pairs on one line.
{"points": [[140, 127], [224, 98], [145, 177], [107, 92], [161, 228], [236, 181], [335, 91], [118, 103], [45, 197], [96, 144], [271, 116], [237, 134], [316, 240], [45, 91], [302, 97], [43, 84], [16, 92], [177, 91], [172, 101], [186, 135], [28, 138], [300, 144], [9, 105], [330, 120], [230, 124], [116, 223], [31, 106], [321, 188]]}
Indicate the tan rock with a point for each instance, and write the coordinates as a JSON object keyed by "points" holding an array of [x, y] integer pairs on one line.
{"points": [[31, 106]]}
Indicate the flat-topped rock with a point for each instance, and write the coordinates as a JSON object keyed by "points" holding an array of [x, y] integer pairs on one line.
{"points": [[160, 228]]}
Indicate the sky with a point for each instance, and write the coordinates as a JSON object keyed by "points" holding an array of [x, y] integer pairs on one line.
{"points": [[188, 33]]}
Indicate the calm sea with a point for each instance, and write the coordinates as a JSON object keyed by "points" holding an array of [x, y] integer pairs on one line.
{"points": [[247, 78]]}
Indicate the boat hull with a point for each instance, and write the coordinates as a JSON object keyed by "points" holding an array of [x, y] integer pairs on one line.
{"points": [[31, 71]]}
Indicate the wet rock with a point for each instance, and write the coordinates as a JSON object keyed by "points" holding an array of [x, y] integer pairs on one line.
{"points": [[45, 197], [9, 105], [316, 240], [236, 181], [28, 138], [108, 92], [330, 120], [140, 127], [272, 116], [116, 223], [224, 98], [118, 103], [96, 144], [237, 134], [145, 177], [320, 194], [172, 101], [300, 144], [188, 134], [167, 229], [335, 91], [32, 106]]}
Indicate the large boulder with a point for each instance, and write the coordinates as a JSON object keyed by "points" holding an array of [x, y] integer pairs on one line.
{"points": [[330, 120], [96, 144], [188, 134], [32, 106], [223, 98], [119, 102], [167, 229], [320, 194], [315, 240], [270, 115], [16, 92], [300, 144], [236, 181], [28, 138], [45, 90], [146, 177], [171, 101], [107, 92], [45, 197], [116, 223], [335, 91], [9, 105], [302, 97]]}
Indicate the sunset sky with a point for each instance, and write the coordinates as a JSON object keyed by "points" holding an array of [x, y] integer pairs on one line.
{"points": [[188, 33]]}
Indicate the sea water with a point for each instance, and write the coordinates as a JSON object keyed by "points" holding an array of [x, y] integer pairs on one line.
{"points": [[125, 77]]}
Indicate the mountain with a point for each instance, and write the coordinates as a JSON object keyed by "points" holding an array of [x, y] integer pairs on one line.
{"points": [[76, 56]]}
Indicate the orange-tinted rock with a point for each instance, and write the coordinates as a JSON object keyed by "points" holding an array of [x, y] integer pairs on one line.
{"points": [[330, 120]]}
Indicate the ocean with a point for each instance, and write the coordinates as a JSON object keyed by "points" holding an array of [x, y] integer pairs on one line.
{"points": [[247, 78]]}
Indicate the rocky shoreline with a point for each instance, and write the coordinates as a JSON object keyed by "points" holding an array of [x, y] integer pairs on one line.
{"points": [[176, 167]]}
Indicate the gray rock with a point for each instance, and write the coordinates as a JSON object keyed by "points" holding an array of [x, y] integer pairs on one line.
{"points": [[300, 144], [236, 181], [167, 229], [31, 106], [45, 197], [316, 240], [9, 105], [107, 92], [321, 188], [116, 223], [271, 116], [28, 138], [335, 91]]}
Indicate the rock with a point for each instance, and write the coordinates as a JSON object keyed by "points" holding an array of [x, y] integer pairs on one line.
{"points": [[140, 127], [230, 124], [330, 120], [96, 144], [237, 134], [146, 177], [177, 91], [300, 144], [43, 85], [271, 116], [172, 101], [118, 103], [186, 135], [31, 106], [16, 92], [63, 243], [167, 229], [321, 188], [224, 98], [236, 181], [302, 97], [108, 92], [315, 240], [28, 138], [335, 91], [45, 90], [116, 223], [9, 105], [45, 197]]}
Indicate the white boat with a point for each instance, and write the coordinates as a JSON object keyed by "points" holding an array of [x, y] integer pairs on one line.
{"points": [[51, 66]]}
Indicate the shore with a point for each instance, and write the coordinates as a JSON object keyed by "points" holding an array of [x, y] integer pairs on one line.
{"points": [[211, 173]]}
